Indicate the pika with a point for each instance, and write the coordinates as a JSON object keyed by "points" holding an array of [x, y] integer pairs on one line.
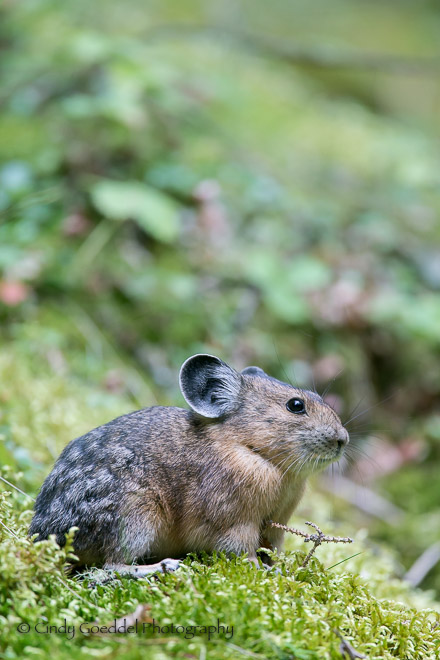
{"points": [[151, 486]]}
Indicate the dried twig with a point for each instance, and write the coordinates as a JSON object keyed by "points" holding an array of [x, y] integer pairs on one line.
{"points": [[16, 488], [316, 539], [11, 531], [346, 648]]}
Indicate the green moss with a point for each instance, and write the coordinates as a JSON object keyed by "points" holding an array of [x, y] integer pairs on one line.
{"points": [[42, 411], [290, 613]]}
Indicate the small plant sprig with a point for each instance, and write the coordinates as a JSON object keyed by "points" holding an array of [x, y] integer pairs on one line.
{"points": [[316, 539]]}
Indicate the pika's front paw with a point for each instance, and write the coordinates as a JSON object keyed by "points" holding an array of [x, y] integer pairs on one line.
{"points": [[262, 566], [141, 571], [169, 565]]}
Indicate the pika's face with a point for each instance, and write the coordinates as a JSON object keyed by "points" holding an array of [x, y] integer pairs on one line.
{"points": [[293, 428]]}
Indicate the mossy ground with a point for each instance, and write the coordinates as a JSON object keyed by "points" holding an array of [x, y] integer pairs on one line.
{"points": [[292, 613], [219, 607]]}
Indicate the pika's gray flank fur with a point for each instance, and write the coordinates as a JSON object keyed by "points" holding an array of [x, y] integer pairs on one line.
{"points": [[164, 481]]}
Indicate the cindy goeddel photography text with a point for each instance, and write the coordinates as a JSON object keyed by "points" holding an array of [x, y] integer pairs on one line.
{"points": [[124, 627]]}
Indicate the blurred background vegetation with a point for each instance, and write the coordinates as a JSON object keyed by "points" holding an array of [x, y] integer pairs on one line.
{"points": [[258, 181]]}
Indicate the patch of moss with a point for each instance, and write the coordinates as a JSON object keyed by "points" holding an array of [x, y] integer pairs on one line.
{"points": [[292, 612]]}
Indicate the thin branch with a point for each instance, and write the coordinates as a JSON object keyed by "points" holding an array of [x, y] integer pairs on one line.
{"points": [[346, 649], [9, 530], [16, 488], [316, 539], [423, 565], [74, 592]]}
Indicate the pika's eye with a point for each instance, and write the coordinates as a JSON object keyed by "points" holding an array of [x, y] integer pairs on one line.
{"points": [[296, 406]]}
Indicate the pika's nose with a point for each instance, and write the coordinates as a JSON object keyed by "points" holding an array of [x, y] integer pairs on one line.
{"points": [[342, 438]]}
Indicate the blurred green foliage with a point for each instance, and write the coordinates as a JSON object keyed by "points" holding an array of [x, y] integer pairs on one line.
{"points": [[167, 188]]}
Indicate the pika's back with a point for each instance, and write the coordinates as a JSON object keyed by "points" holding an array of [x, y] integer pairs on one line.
{"points": [[95, 472]]}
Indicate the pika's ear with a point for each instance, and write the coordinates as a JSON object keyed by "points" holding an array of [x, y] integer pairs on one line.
{"points": [[210, 386], [254, 371]]}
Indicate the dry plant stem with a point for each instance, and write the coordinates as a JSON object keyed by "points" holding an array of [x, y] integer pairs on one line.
{"points": [[316, 539], [346, 649]]}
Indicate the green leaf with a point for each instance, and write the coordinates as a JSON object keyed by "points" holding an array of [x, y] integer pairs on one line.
{"points": [[308, 273], [287, 306], [153, 211]]}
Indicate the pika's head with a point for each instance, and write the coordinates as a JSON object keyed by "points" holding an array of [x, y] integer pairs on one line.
{"points": [[293, 428]]}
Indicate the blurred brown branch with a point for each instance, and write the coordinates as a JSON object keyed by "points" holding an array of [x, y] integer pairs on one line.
{"points": [[423, 565], [363, 498]]}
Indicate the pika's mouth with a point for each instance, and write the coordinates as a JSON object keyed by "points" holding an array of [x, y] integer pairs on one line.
{"points": [[319, 459]]}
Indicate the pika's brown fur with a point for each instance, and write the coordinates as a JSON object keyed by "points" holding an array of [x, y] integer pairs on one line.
{"points": [[162, 482]]}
